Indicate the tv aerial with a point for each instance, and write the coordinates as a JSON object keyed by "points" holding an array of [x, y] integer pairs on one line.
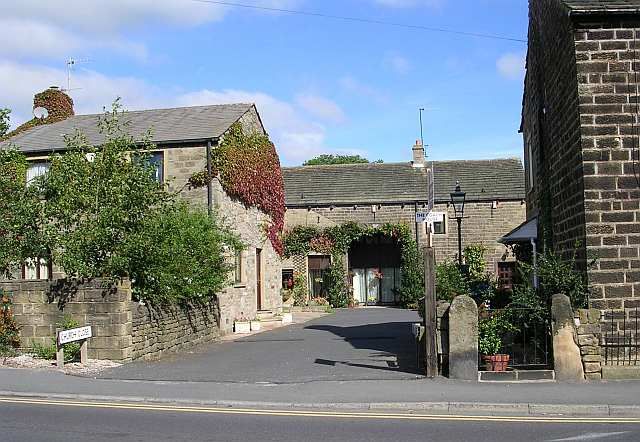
{"points": [[71, 63], [40, 113]]}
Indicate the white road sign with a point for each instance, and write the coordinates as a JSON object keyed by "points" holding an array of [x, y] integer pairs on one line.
{"points": [[429, 217], [74, 334]]}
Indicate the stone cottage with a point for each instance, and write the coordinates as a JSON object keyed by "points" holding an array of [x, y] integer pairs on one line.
{"points": [[378, 193], [580, 130], [182, 138]]}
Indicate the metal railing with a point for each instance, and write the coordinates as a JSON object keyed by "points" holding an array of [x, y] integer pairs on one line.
{"points": [[620, 337], [529, 342]]}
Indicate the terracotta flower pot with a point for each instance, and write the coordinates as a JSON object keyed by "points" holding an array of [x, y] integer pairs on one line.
{"points": [[496, 362]]}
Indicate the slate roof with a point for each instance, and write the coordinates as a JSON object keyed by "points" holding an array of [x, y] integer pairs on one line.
{"points": [[400, 182], [595, 6], [167, 125], [500, 179]]}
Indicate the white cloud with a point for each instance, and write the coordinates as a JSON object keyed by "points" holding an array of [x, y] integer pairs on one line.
{"points": [[297, 135], [355, 86], [511, 66], [321, 107], [54, 28], [398, 64]]}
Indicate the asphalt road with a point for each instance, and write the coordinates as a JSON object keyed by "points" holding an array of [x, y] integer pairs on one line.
{"points": [[29, 422], [352, 344]]}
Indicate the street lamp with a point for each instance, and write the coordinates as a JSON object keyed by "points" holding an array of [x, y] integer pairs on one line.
{"points": [[457, 200]]}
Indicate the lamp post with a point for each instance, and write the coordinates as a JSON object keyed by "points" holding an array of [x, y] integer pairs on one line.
{"points": [[457, 200]]}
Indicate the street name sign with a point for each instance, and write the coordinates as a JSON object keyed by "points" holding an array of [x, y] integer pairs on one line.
{"points": [[74, 334]]}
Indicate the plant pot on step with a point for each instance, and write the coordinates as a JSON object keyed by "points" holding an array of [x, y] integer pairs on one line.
{"points": [[496, 362], [255, 325], [242, 327]]}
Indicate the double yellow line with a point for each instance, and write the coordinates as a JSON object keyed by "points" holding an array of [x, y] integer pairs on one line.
{"points": [[314, 414]]}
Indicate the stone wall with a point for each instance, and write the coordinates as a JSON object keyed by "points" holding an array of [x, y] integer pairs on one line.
{"points": [[588, 331], [551, 129], [40, 305], [155, 332], [482, 224], [608, 95], [122, 330]]}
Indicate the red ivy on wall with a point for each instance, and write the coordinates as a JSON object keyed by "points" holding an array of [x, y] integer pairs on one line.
{"points": [[249, 170]]}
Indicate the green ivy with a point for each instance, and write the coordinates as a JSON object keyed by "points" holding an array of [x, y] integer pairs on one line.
{"points": [[336, 240]]}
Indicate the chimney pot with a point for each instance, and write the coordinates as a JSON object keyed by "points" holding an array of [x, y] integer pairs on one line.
{"points": [[418, 154]]}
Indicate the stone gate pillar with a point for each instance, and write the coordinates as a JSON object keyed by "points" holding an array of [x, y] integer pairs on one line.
{"points": [[463, 339]]}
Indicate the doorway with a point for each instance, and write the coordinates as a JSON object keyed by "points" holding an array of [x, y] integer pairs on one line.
{"points": [[318, 265], [259, 279]]}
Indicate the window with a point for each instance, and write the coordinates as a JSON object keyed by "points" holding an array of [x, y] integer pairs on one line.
{"points": [[36, 169], [438, 223], [156, 161], [506, 274], [287, 279], [440, 227], [531, 165], [37, 268], [238, 267]]}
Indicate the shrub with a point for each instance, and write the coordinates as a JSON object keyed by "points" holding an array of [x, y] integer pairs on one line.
{"points": [[71, 350], [490, 332], [300, 290], [185, 256], [9, 329], [335, 279], [44, 351], [450, 282]]}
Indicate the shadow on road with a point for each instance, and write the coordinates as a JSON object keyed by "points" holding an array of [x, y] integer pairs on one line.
{"points": [[392, 344]]}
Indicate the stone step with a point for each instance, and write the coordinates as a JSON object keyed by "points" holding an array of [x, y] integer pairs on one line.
{"points": [[517, 376], [265, 314]]}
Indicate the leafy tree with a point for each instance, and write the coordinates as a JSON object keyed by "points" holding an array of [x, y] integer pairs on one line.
{"points": [[179, 255], [4, 121], [20, 208], [335, 280], [336, 159], [97, 198]]}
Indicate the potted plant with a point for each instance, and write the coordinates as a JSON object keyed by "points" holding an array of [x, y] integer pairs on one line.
{"points": [[241, 324], [491, 330], [255, 324], [287, 316]]}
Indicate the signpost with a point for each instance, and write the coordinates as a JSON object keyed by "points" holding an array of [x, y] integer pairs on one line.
{"points": [[72, 335], [429, 217]]}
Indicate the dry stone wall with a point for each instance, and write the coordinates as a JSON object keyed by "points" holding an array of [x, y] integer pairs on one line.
{"points": [[158, 331], [122, 330]]}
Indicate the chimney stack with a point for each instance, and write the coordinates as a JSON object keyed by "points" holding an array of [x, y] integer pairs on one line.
{"points": [[57, 103], [418, 154]]}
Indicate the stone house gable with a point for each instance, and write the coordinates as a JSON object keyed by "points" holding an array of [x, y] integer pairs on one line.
{"points": [[181, 136], [580, 129]]}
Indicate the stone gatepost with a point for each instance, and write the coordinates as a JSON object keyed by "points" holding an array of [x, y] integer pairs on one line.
{"points": [[463, 339], [567, 362]]}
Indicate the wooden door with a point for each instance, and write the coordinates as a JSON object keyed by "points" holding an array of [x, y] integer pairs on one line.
{"points": [[259, 278]]}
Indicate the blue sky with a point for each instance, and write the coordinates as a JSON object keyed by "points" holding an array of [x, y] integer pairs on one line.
{"points": [[321, 85]]}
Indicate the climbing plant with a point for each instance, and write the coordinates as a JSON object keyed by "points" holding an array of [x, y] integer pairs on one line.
{"points": [[58, 105], [249, 169], [336, 241]]}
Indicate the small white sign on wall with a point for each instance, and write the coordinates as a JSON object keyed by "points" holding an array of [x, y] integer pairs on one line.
{"points": [[429, 217]]}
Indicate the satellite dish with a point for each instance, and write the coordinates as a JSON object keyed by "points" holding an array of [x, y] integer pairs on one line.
{"points": [[40, 113]]}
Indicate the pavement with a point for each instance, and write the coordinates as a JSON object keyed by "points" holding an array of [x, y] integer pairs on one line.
{"points": [[373, 369]]}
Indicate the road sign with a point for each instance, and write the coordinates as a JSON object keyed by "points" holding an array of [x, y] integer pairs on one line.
{"points": [[429, 217], [421, 217], [74, 334]]}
